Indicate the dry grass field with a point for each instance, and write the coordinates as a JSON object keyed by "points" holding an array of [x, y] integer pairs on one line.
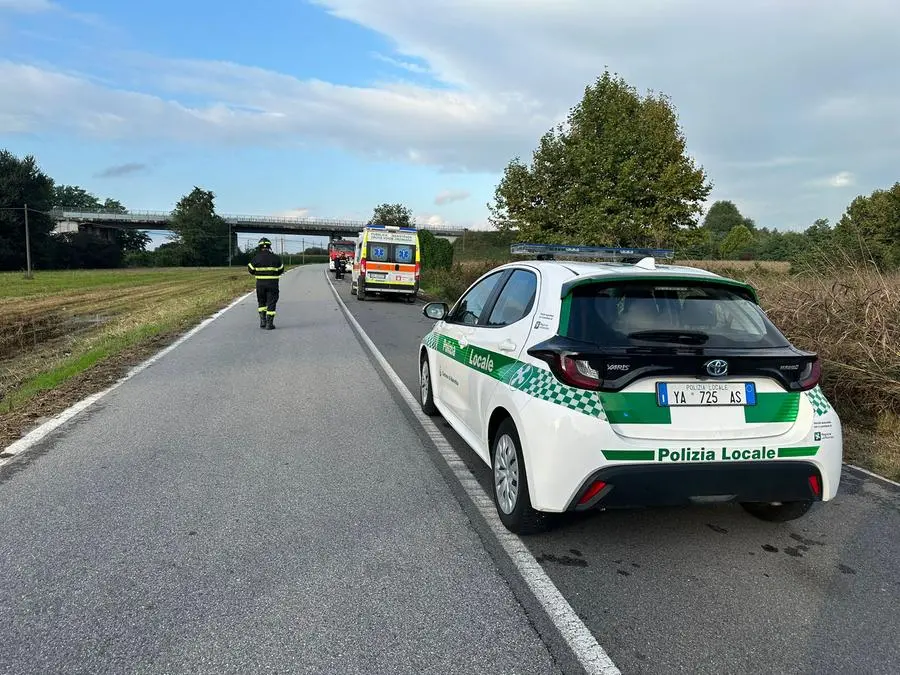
{"points": [[64, 335]]}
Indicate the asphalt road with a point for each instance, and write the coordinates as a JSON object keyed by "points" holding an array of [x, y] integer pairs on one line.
{"points": [[255, 501], [711, 589]]}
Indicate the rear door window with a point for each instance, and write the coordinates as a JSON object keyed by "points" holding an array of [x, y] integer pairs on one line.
{"points": [[515, 300], [379, 252], [642, 314], [403, 254]]}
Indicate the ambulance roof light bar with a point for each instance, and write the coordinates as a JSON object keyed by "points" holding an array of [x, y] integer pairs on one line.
{"points": [[563, 252]]}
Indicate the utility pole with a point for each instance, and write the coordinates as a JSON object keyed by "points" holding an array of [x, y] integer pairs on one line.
{"points": [[27, 246], [303, 255], [230, 255]]}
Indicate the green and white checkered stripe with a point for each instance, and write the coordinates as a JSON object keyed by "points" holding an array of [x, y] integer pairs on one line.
{"points": [[530, 379], [431, 340], [541, 384], [820, 404]]}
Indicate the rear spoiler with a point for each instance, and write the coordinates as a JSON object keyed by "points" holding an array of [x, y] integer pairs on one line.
{"points": [[712, 280]]}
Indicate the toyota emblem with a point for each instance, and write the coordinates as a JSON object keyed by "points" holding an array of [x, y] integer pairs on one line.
{"points": [[717, 368]]}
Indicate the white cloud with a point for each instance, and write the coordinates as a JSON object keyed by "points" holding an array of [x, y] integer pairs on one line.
{"points": [[838, 180], [405, 65], [450, 196], [842, 179], [298, 212], [767, 92], [28, 6], [246, 105]]}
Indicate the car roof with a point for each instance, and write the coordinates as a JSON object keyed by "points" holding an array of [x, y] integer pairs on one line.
{"points": [[600, 269]]}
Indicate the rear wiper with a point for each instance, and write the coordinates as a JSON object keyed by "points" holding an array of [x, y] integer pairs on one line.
{"points": [[690, 337]]}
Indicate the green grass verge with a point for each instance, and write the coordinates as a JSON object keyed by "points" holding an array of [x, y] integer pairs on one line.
{"points": [[77, 364]]}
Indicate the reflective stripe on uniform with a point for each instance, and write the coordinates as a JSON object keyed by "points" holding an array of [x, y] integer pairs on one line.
{"points": [[261, 276], [270, 313]]}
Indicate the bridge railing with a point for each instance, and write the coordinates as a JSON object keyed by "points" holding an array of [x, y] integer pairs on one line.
{"points": [[94, 215]]}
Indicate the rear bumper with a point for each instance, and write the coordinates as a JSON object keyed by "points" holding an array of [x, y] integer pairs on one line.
{"points": [[383, 287], [674, 485], [565, 451]]}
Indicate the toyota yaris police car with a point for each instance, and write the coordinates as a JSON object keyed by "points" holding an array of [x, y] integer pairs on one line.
{"points": [[617, 384]]}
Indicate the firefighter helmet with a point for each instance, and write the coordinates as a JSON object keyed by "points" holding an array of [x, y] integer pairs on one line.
{"points": [[264, 243]]}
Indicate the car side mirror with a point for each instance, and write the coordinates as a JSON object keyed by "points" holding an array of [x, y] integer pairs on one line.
{"points": [[436, 310]]}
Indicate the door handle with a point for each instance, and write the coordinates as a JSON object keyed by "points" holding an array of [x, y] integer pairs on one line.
{"points": [[507, 346]]}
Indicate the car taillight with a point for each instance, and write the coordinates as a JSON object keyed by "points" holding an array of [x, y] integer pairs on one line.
{"points": [[576, 372], [362, 266], [417, 270], [810, 375]]}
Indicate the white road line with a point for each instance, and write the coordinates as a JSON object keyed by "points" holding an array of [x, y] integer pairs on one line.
{"points": [[34, 437], [580, 640], [870, 473]]}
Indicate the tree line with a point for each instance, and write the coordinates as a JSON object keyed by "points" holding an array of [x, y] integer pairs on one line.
{"points": [[199, 236], [616, 174]]}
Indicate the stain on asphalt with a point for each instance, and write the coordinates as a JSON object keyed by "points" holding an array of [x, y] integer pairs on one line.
{"points": [[717, 528], [624, 573], [768, 548], [566, 560], [846, 569], [806, 541]]}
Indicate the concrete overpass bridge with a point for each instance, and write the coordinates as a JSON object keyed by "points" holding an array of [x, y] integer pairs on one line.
{"points": [[98, 221]]}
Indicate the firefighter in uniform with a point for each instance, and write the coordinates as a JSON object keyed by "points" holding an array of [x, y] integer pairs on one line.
{"points": [[267, 267]]}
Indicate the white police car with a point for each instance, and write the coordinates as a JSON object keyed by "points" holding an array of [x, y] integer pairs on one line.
{"points": [[616, 384]]}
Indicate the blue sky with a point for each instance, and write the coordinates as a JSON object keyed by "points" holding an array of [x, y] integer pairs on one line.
{"points": [[329, 107]]}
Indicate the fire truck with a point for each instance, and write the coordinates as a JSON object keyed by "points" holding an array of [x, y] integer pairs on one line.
{"points": [[338, 246]]}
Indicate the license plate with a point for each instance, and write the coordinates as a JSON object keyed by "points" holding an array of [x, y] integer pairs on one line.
{"points": [[674, 394], [377, 275]]}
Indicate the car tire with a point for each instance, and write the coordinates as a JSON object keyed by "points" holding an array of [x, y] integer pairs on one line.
{"points": [[360, 292], [777, 513], [510, 483], [426, 393]]}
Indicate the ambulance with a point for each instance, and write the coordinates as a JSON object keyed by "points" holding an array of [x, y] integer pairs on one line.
{"points": [[386, 262]]}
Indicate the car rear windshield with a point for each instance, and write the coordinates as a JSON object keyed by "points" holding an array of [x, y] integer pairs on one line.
{"points": [[644, 314], [405, 254]]}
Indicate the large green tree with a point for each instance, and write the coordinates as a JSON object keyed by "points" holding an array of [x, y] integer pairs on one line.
{"points": [[201, 235], [722, 217], [615, 174], [736, 243], [22, 182], [392, 214], [871, 228]]}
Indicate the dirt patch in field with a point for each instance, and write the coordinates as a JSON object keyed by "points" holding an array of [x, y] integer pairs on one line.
{"points": [[15, 424]]}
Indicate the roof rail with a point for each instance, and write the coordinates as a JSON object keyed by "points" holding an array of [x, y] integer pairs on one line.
{"points": [[563, 252]]}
